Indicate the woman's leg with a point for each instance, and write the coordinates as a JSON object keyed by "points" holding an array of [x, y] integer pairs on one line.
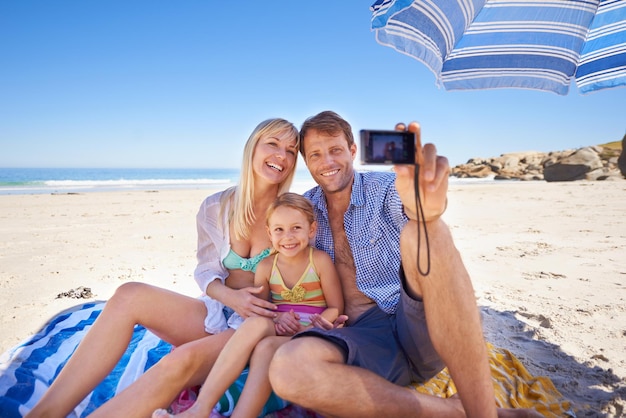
{"points": [[257, 389], [172, 316], [186, 366], [228, 366]]}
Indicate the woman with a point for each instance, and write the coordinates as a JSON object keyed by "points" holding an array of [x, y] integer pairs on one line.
{"points": [[231, 240]]}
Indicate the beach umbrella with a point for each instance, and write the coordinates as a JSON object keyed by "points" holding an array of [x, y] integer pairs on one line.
{"points": [[532, 44]]}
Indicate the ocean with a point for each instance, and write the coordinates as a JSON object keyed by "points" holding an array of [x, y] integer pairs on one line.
{"points": [[82, 180]]}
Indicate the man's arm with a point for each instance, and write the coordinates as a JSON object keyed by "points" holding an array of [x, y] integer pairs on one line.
{"points": [[451, 312]]}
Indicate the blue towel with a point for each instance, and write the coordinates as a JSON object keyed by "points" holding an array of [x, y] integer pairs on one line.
{"points": [[26, 371]]}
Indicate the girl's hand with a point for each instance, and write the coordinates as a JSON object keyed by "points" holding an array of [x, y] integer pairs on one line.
{"points": [[246, 303], [319, 321], [287, 323]]}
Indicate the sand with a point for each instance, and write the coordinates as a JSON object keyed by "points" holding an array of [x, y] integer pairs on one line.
{"points": [[548, 263]]}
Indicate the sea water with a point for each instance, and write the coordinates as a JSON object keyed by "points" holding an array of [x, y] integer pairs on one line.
{"points": [[81, 180]]}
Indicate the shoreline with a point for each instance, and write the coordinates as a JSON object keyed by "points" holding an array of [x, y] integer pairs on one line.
{"points": [[546, 261]]}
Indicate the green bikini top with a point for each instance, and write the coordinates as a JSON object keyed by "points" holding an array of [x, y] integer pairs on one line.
{"points": [[234, 261]]}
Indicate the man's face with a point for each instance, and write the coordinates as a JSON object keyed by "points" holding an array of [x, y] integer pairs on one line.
{"points": [[329, 160]]}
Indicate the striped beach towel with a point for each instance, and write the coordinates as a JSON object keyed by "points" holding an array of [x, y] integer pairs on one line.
{"points": [[27, 370]]}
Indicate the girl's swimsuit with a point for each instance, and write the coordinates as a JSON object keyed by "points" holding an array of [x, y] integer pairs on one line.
{"points": [[304, 298]]}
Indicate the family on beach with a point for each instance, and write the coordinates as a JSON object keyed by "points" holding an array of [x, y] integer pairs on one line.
{"points": [[321, 295]]}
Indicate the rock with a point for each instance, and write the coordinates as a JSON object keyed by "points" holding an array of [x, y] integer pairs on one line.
{"points": [[80, 292], [573, 167], [511, 161], [588, 163], [471, 171], [598, 174]]}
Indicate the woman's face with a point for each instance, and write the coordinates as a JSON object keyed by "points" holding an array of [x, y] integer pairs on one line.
{"points": [[274, 157]]}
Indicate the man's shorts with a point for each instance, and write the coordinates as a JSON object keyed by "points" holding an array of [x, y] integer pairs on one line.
{"points": [[396, 346]]}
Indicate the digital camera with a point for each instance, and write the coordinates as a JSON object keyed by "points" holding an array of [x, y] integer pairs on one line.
{"points": [[387, 147]]}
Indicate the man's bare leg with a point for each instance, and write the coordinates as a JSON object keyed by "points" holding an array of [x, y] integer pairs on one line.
{"points": [[322, 382], [451, 314]]}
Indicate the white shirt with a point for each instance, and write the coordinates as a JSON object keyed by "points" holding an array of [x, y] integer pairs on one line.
{"points": [[213, 240]]}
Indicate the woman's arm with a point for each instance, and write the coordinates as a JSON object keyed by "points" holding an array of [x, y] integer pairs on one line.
{"points": [[247, 301], [212, 239], [210, 273]]}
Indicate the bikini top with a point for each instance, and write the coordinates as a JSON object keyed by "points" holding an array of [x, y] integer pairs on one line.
{"points": [[234, 261], [306, 291]]}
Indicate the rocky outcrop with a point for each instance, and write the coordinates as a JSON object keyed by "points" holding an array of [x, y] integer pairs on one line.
{"points": [[572, 167], [621, 161], [588, 163]]}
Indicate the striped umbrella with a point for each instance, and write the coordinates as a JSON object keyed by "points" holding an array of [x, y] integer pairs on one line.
{"points": [[532, 44]]}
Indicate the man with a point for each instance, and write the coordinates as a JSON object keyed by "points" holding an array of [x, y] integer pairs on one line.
{"points": [[401, 327]]}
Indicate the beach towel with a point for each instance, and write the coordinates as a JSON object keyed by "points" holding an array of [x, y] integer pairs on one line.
{"points": [[514, 386], [27, 370]]}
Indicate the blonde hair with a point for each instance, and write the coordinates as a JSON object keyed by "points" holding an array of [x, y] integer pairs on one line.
{"points": [[293, 201], [242, 212]]}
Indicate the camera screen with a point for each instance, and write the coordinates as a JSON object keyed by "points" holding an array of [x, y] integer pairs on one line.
{"points": [[387, 147]]}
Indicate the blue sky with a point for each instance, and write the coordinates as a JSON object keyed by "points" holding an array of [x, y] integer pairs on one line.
{"points": [[139, 83]]}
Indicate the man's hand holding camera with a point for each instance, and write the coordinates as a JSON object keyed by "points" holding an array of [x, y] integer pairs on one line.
{"points": [[433, 179]]}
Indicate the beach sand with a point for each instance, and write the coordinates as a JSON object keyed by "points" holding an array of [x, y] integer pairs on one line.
{"points": [[548, 263]]}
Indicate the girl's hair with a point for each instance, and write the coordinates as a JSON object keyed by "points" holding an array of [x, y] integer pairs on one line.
{"points": [[242, 212], [293, 201]]}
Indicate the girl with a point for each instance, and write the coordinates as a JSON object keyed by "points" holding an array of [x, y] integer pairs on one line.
{"points": [[301, 281]]}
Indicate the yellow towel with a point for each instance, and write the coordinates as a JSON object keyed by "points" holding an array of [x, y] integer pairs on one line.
{"points": [[514, 386]]}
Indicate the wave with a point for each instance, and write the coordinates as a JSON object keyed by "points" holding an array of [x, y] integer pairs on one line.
{"points": [[77, 186], [132, 183]]}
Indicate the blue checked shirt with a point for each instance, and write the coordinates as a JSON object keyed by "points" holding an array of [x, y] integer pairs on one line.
{"points": [[373, 223]]}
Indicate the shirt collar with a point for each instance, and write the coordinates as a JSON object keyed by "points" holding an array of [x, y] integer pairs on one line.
{"points": [[357, 197]]}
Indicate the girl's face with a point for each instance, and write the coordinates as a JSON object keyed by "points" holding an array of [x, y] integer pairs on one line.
{"points": [[274, 157], [289, 230]]}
